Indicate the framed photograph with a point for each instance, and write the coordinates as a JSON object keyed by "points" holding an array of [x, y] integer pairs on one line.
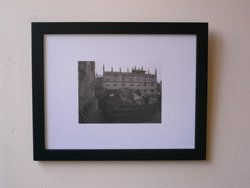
{"points": [[119, 91]]}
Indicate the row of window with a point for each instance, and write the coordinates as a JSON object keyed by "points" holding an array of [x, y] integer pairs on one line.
{"points": [[148, 90], [127, 80], [130, 76], [134, 84]]}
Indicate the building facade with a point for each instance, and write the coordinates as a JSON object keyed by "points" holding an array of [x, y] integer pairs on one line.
{"points": [[137, 79], [86, 80]]}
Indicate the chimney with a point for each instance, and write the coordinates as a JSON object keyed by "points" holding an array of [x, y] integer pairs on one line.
{"points": [[120, 69], [111, 69]]}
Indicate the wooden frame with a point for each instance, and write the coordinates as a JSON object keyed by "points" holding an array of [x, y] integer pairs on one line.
{"points": [[200, 30]]}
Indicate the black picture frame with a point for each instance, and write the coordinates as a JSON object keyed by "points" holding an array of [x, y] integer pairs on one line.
{"points": [[39, 29]]}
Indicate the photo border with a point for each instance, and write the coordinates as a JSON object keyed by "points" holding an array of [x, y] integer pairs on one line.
{"points": [[39, 29]]}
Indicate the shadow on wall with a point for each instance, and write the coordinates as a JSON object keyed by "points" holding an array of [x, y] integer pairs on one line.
{"points": [[215, 51]]}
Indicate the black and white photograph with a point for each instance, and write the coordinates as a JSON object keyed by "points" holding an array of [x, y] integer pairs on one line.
{"points": [[131, 95]]}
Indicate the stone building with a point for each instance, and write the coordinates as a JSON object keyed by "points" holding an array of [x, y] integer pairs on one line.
{"points": [[98, 85], [137, 79], [86, 80]]}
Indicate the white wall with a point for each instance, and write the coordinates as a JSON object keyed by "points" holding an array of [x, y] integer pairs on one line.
{"points": [[228, 163]]}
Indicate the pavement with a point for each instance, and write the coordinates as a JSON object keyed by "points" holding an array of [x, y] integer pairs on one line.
{"points": [[94, 115]]}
